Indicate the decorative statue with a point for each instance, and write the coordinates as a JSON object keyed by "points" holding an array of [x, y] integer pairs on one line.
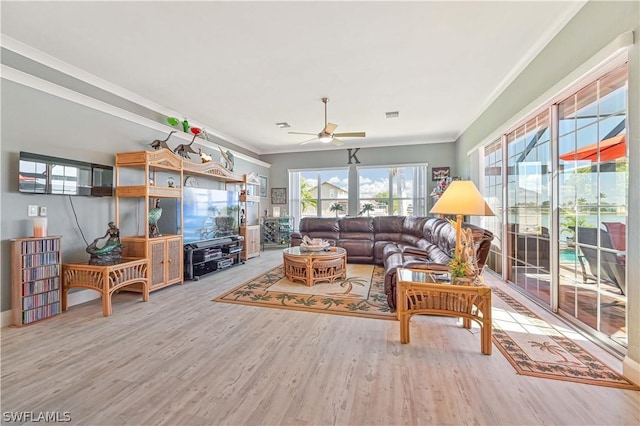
{"points": [[157, 144], [204, 156], [110, 251], [154, 216], [183, 150], [228, 159]]}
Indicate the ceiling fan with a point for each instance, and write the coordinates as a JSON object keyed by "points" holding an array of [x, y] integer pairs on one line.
{"points": [[327, 135]]}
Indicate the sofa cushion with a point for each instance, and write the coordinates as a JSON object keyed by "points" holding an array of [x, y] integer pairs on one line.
{"points": [[413, 226], [321, 227], [358, 251], [356, 225], [387, 225], [357, 228], [319, 224]]}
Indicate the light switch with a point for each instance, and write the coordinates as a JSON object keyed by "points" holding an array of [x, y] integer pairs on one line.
{"points": [[32, 210], [43, 211]]}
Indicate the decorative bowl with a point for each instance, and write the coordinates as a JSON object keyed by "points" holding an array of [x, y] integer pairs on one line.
{"points": [[305, 247]]}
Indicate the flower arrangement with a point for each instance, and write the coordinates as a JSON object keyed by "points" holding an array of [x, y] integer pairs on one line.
{"points": [[464, 263], [439, 189]]}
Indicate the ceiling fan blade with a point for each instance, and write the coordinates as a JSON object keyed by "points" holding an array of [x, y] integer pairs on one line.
{"points": [[337, 142], [329, 128], [351, 135], [309, 141], [301, 133]]}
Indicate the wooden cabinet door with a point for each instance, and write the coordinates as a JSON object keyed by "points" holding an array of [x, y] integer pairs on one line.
{"points": [[174, 260], [156, 262], [253, 246], [251, 243]]}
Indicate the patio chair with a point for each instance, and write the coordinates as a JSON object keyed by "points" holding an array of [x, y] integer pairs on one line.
{"points": [[611, 269]]}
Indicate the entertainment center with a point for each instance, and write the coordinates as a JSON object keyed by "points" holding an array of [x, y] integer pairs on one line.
{"points": [[203, 233]]}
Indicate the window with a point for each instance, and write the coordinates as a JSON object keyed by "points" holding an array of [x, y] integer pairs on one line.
{"points": [[319, 193], [592, 200], [493, 194], [392, 190], [529, 213]]}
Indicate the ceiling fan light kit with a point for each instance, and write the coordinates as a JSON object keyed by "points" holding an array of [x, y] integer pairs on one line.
{"points": [[327, 135]]}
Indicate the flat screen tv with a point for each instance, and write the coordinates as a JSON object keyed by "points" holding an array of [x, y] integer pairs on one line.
{"points": [[209, 214], [42, 174]]}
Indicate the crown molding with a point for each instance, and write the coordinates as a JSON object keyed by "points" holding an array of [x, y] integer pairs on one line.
{"points": [[28, 80], [60, 66]]}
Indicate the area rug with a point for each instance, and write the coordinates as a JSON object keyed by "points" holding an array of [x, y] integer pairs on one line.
{"points": [[361, 293], [536, 348]]}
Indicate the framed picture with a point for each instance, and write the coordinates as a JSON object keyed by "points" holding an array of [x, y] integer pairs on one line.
{"points": [[263, 185], [278, 195], [439, 173]]}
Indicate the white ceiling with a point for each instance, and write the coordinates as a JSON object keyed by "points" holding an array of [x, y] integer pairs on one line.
{"points": [[237, 68]]}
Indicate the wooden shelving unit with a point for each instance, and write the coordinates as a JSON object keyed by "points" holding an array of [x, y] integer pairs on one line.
{"points": [[250, 203], [35, 279], [164, 253]]}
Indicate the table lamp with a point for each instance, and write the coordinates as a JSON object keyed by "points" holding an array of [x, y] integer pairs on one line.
{"points": [[461, 198]]}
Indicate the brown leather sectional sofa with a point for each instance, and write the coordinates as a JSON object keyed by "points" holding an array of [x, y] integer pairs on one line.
{"points": [[393, 241]]}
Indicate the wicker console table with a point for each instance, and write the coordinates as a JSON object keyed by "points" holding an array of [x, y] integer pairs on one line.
{"points": [[421, 292], [106, 279], [311, 267]]}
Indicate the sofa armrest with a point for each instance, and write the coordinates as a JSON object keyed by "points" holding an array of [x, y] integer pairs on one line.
{"points": [[295, 238], [415, 251]]}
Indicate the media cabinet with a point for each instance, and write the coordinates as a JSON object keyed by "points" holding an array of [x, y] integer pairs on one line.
{"points": [[202, 258]]}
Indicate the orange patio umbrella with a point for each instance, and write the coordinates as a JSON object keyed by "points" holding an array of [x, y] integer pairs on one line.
{"points": [[610, 149]]}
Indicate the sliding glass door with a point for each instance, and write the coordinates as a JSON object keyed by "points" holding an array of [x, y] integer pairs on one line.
{"points": [[528, 201], [593, 187], [591, 197]]}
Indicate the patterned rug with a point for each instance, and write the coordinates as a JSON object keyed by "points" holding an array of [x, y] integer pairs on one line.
{"points": [[361, 293], [536, 348]]}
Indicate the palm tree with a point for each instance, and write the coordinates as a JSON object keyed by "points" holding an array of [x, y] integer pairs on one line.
{"points": [[336, 207], [307, 198], [366, 208], [570, 224]]}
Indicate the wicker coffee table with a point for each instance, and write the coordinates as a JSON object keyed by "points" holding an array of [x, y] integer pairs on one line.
{"points": [[311, 267]]}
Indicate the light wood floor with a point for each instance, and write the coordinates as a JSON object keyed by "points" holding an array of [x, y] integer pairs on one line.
{"points": [[182, 359]]}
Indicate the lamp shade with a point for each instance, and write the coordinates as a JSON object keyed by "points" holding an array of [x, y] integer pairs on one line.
{"points": [[462, 198]]}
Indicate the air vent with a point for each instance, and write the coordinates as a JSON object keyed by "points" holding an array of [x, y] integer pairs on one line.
{"points": [[392, 114], [283, 125]]}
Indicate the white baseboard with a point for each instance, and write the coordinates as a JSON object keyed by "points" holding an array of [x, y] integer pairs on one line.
{"points": [[631, 370], [73, 299], [5, 320]]}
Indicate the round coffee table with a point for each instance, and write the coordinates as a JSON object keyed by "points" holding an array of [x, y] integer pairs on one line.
{"points": [[311, 267]]}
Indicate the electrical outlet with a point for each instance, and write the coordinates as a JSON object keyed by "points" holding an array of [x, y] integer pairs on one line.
{"points": [[32, 210], [43, 211]]}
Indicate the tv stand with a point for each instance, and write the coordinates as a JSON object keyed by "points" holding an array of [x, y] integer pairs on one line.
{"points": [[203, 257]]}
